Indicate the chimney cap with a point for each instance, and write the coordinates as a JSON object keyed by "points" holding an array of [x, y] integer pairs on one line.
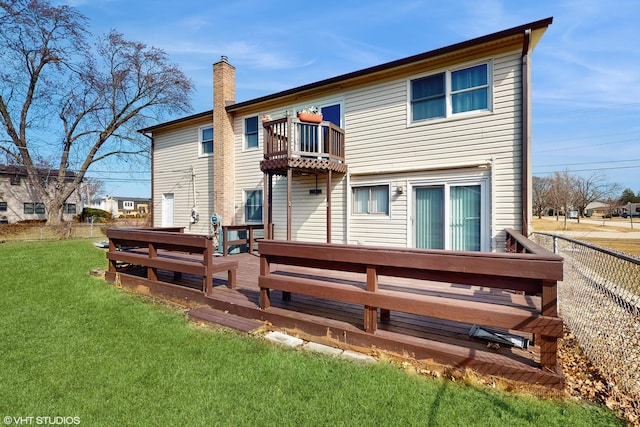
{"points": [[223, 58]]}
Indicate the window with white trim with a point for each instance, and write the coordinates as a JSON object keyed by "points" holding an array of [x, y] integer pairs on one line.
{"points": [[451, 92], [251, 132], [371, 200], [205, 141], [3, 206], [451, 215], [253, 206]]}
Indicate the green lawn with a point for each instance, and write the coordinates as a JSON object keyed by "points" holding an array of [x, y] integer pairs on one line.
{"points": [[74, 346]]}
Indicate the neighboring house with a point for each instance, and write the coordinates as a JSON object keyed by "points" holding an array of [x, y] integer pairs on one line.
{"points": [[123, 206], [600, 208], [107, 204], [133, 207], [429, 151], [20, 202]]}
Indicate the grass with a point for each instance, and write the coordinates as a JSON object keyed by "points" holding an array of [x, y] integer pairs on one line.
{"points": [[74, 346], [628, 246]]}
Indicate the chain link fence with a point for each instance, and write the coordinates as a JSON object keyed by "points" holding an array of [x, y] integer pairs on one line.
{"points": [[599, 300]]}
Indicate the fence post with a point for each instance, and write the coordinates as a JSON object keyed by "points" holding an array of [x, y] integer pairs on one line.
{"points": [[555, 245]]}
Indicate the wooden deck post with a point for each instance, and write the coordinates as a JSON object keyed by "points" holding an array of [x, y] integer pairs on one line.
{"points": [[112, 263], [371, 313], [329, 206], [152, 273], [549, 345], [265, 268], [207, 287], [289, 178]]}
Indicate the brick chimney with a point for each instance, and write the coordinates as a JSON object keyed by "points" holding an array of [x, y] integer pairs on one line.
{"points": [[224, 93]]}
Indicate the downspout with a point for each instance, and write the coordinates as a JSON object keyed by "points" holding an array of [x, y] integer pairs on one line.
{"points": [[526, 135]]}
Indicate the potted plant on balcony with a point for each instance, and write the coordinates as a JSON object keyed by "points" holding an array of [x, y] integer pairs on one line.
{"points": [[310, 114]]}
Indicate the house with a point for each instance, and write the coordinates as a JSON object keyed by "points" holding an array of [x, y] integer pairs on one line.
{"points": [[133, 207], [107, 204], [123, 207], [429, 151], [20, 202]]}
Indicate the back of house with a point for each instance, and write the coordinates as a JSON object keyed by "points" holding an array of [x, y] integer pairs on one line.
{"points": [[429, 151]]}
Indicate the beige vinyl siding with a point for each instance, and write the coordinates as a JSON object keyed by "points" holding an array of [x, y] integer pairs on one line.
{"points": [[175, 152], [379, 139], [383, 146], [247, 166], [397, 228], [17, 195], [309, 211], [380, 230]]}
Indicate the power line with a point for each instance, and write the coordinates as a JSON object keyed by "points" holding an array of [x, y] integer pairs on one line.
{"points": [[591, 170], [587, 146], [589, 163]]}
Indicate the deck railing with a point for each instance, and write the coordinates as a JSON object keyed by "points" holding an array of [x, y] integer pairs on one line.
{"points": [[290, 137], [535, 272], [249, 240], [171, 251]]}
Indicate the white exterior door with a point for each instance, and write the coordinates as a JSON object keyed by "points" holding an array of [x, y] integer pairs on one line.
{"points": [[167, 210]]}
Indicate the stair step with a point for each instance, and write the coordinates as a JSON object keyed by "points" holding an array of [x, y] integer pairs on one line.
{"points": [[221, 318]]}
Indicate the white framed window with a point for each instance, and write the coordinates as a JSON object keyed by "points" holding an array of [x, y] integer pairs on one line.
{"points": [[3, 206], [205, 141], [128, 205], [251, 133], [252, 206], [371, 200], [450, 92]]}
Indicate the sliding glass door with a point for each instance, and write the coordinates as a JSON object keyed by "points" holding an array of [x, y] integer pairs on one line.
{"points": [[449, 217]]}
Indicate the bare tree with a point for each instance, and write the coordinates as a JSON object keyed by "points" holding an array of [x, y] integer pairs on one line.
{"points": [[562, 193], [590, 189], [75, 99], [90, 188], [541, 194]]}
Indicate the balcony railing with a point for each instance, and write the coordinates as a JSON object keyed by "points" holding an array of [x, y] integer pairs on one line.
{"points": [[290, 142]]}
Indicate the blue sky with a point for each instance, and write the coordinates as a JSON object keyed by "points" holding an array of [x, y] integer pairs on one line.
{"points": [[586, 68]]}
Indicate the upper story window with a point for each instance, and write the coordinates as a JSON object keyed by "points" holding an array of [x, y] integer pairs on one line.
{"points": [[450, 92], [33, 208], [3, 206], [251, 132], [206, 141], [128, 205], [14, 180], [371, 200]]}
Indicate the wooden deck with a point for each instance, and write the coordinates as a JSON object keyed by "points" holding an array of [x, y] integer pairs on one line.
{"points": [[341, 324]]}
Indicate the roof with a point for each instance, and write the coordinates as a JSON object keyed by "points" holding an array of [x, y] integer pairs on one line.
{"points": [[22, 171], [193, 117], [538, 26]]}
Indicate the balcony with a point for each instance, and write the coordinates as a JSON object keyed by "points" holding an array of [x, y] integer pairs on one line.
{"points": [[304, 147]]}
